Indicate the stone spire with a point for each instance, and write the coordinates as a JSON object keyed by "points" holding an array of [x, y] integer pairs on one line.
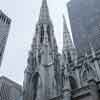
{"points": [[67, 41], [68, 46], [44, 13], [42, 75]]}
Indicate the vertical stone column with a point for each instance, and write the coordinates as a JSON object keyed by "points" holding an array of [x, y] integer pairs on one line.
{"points": [[67, 89], [93, 89], [38, 44], [78, 77]]}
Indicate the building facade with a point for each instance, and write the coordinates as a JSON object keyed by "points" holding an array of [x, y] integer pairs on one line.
{"points": [[50, 75], [43, 71], [5, 23], [84, 18], [9, 90]]}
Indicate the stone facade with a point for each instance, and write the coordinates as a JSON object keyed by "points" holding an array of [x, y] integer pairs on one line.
{"points": [[4, 30], [42, 75], [50, 75], [9, 90]]}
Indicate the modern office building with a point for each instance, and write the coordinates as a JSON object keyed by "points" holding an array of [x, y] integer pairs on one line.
{"points": [[5, 23], [9, 90], [84, 18]]}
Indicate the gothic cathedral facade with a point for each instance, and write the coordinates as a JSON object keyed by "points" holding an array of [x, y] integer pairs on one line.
{"points": [[50, 75]]}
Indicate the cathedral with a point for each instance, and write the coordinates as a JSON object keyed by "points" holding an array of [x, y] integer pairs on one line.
{"points": [[50, 75]]}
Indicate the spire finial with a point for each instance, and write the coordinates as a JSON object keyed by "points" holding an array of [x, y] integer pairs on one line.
{"points": [[44, 3], [44, 12]]}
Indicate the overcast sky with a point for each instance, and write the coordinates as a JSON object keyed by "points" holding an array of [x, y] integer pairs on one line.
{"points": [[24, 15]]}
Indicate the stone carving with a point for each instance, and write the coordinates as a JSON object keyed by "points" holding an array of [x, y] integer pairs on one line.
{"points": [[87, 71], [50, 74]]}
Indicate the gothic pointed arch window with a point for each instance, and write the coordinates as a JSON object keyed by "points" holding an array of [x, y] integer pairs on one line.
{"points": [[48, 32], [69, 57], [42, 34], [39, 57]]}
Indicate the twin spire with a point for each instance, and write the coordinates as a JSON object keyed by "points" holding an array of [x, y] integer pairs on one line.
{"points": [[44, 18]]}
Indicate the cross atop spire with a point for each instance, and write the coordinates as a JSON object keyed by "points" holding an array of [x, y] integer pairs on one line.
{"points": [[44, 13]]}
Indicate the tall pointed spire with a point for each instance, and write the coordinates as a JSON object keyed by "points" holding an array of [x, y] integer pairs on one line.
{"points": [[44, 12], [67, 41], [68, 45]]}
